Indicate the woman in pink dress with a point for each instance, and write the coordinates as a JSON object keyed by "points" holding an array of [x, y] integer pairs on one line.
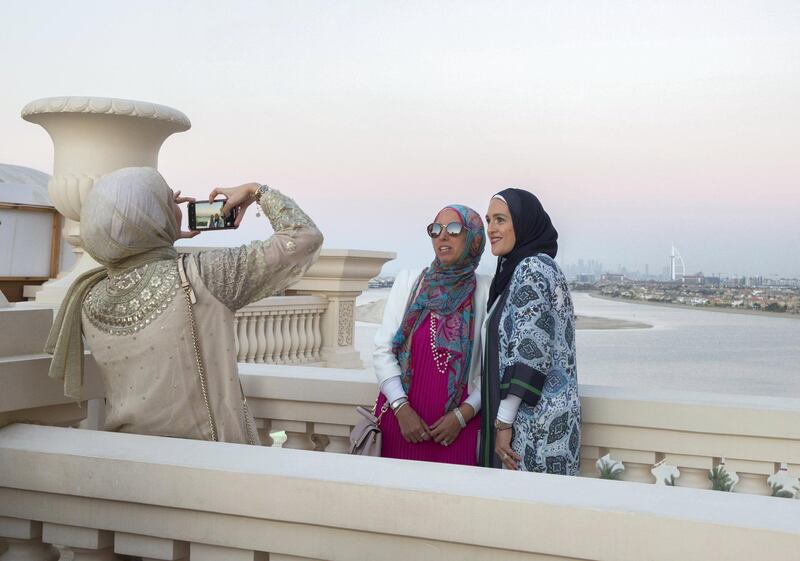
{"points": [[428, 352]]}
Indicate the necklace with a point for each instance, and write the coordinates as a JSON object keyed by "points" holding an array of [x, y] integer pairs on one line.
{"points": [[441, 365]]}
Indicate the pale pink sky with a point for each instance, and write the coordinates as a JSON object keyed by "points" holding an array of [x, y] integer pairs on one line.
{"points": [[637, 123]]}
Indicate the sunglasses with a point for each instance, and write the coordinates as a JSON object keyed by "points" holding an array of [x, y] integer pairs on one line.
{"points": [[453, 229]]}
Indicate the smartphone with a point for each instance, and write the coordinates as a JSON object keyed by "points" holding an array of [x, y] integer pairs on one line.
{"points": [[208, 216]]}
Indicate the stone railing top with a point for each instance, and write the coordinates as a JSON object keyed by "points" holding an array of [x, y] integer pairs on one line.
{"points": [[106, 106], [368, 253], [285, 302], [265, 483]]}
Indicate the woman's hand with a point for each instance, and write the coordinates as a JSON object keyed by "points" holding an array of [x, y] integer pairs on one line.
{"points": [[502, 447], [240, 198], [447, 428], [412, 427], [183, 234]]}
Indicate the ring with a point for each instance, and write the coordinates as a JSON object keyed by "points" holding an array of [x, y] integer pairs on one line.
{"points": [[505, 456], [445, 443]]}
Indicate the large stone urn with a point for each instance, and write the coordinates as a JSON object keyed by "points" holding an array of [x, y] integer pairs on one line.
{"points": [[93, 136]]}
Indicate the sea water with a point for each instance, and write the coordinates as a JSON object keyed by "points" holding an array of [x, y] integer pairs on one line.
{"points": [[686, 348]]}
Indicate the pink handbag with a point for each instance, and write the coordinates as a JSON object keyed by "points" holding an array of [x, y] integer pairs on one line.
{"points": [[366, 437]]}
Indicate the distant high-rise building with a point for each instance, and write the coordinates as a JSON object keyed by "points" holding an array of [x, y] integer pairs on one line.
{"points": [[677, 268]]}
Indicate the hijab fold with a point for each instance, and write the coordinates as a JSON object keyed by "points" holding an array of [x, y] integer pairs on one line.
{"points": [[446, 291], [534, 232], [126, 221]]}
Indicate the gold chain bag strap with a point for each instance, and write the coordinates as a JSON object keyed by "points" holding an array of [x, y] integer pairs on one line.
{"points": [[201, 371]]}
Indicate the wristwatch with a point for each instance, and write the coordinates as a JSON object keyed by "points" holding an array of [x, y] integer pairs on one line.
{"points": [[500, 425], [259, 192]]}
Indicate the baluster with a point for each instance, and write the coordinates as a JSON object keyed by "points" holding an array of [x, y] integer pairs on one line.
{"points": [[338, 437], [317, 334], [287, 338], [86, 544], [264, 428], [147, 547], [241, 356], [236, 335], [252, 339], [24, 541], [295, 334], [301, 337], [309, 350], [278, 338], [269, 329], [260, 338], [298, 434]]}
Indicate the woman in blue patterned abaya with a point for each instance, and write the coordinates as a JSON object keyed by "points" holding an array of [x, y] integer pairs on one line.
{"points": [[532, 413]]}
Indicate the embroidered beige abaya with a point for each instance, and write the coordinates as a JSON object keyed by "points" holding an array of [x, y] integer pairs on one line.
{"points": [[137, 320]]}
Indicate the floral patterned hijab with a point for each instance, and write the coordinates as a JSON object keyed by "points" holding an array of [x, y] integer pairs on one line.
{"points": [[447, 291]]}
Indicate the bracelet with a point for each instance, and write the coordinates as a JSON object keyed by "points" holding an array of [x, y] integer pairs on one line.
{"points": [[260, 192], [398, 402], [500, 425], [460, 417], [399, 407]]}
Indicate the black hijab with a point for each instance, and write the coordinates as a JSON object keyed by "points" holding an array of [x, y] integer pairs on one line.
{"points": [[534, 232]]}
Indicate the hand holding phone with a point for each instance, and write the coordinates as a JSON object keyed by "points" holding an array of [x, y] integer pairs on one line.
{"points": [[239, 198]]}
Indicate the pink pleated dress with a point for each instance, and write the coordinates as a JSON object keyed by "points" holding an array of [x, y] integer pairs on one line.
{"points": [[428, 396]]}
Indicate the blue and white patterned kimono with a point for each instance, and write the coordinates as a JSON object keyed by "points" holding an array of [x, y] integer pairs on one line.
{"points": [[531, 354]]}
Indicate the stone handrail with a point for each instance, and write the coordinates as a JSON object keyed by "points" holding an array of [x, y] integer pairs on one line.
{"points": [[94, 494], [280, 330], [752, 438]]}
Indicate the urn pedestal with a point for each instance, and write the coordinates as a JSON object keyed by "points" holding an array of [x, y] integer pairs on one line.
{"points": [[93, 136]]}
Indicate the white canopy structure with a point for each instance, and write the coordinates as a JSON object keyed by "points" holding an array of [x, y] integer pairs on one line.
{"points": [[30, 231], [25, 186]]}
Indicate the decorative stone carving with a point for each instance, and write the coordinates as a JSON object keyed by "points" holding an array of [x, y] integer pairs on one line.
{"points": [[722, 479], [107, 106], [665, 473], [346, 323], [782, 484], [609, 468], [91, 137]]}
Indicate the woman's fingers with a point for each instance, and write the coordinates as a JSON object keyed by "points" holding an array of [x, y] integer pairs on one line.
{"points": [[217, 191], [240, 215], [185, 235], [507, 456]]}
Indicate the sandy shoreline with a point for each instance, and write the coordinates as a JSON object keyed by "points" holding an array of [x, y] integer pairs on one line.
{"points": [[372, 312], [737, 311]]}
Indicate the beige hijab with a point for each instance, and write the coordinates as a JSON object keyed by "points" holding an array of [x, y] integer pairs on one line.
{"points": [[126, 221]]}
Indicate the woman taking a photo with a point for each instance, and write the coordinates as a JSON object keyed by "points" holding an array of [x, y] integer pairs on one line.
{"points": [[427, 350], [532, 412], [160, 325]]}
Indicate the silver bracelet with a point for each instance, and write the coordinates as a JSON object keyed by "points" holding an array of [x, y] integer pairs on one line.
{"points": [[399, 402], [460, 417]]}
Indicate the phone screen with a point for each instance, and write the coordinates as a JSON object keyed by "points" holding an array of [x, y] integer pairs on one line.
{"points": [[208, 216]]}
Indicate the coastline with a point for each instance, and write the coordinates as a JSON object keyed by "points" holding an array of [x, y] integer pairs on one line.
{"points": [[372, 312], [737, 311]]}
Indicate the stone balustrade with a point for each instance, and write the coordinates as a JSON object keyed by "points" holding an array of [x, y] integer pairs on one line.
{"points": [[753, 437], [93, 495], [281, 330]]}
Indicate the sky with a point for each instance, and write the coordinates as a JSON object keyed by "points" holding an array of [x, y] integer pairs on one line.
{"points": [[638, 124]]}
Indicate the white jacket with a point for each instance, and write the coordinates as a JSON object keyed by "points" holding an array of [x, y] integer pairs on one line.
{"points": [[385, 362]]}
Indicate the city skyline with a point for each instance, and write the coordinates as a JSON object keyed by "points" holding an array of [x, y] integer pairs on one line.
{"points": [[638, 125]]}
